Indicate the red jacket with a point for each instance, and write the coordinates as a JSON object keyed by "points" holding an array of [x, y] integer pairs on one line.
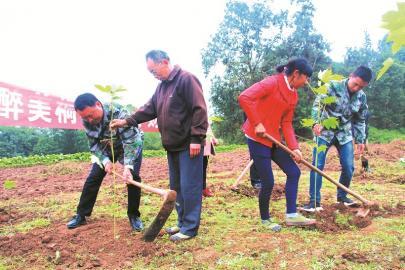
{"points": [[271, 103]]}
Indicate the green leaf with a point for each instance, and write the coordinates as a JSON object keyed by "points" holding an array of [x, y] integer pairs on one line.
{"points": [[386, 65], [120, 90], [100, 87], [329, 100], [326, 76], [321, 148], [330, 123], [216, 119], [108, 88], [321, 90], [308, 122], [394, 21]]}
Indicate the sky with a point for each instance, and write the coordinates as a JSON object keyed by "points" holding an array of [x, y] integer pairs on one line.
{"points": [[64, 47]]}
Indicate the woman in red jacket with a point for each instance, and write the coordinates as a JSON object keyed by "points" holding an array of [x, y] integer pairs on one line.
{"points": [[269, 106]]}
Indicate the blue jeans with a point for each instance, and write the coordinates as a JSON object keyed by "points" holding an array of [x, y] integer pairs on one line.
{"points": [[346, 158], [186, 178], [262, 156]]}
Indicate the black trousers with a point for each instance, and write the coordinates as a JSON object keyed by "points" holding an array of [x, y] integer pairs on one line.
{"points": [[92, 186], [205, 165]]}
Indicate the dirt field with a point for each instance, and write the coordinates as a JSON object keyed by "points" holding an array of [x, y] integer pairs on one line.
{"points": [[33, 216]]}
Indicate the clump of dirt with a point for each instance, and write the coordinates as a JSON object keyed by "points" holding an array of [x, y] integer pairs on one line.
{"points": [[355, 257], [13, 216], [387, 210], [94, 243], [278, 192], [327, 219], [248, 191], [398, 180]]}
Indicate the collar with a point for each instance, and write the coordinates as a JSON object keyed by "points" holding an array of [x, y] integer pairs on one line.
{"points": [[347, 89], [176, 69], [287, 83]]}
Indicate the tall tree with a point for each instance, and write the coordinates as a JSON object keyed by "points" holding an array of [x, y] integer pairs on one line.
{"points": [[386, 96], [248, 33], [304, 41]]}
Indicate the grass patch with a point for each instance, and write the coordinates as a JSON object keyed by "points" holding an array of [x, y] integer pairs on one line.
{"points": [[29, 225], [343, 220], [9, 184], [24, 227], [385, 135]]}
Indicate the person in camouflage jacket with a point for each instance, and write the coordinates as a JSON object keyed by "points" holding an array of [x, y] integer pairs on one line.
{"points": [[128, 145], [350, 108]]}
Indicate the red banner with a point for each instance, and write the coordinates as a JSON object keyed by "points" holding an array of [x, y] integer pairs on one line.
{"points": [[23, 107]]}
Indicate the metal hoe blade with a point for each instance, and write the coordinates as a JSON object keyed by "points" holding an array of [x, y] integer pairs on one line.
{"points": [[154, 229]]}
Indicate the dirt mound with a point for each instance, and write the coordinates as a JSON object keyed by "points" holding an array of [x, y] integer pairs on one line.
{"points": [[355, 257], [387, 210], [248, 191], [95, 244], [337, 217], [8, 215], [392, 151]]}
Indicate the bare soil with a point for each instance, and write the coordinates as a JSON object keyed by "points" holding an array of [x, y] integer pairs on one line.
{"points": [[73, 249]]}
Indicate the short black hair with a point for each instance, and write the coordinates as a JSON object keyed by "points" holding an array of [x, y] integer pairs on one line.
{"points": [[364, 73], [300, 64], [85, 100], [157, 56]]}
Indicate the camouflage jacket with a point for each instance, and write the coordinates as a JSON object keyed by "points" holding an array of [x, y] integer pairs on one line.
{"points": [[350, 111], [128, 141]]}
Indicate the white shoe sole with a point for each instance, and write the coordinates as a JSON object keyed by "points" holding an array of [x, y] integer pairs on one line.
{"points": [[311, 210], [300, 224]]}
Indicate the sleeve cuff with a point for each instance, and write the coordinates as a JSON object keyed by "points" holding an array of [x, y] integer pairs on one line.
{"points": [[131, 122], [196, 139], [105, 161], [131, 167]]}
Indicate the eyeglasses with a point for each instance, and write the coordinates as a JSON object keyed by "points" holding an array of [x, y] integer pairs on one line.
{"points": [[155, 68]]}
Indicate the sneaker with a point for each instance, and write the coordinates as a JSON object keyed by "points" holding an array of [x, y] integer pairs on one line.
{"points": [[269, 224], [299, 220], [310, 207], [179, 237], [346, 201], [172, 230], [207, 193]]}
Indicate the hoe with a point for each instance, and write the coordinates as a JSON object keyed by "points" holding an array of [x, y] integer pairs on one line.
{"points": [[362, 212], [169, 200]]}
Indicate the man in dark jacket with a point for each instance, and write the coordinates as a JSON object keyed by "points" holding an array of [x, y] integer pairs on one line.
{"points": [[128, 144], [179, 106]]}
